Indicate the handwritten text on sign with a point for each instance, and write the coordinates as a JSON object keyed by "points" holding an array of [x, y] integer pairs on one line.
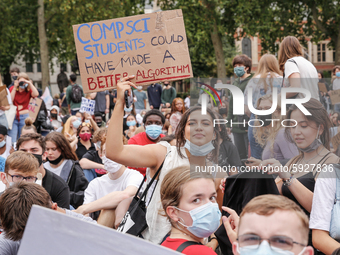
{"points": [[153, 47], [87, 105]]}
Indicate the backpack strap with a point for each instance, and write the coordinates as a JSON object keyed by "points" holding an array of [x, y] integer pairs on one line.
{"points": [[186, 244]]}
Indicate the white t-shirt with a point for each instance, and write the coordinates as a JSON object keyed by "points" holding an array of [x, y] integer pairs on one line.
{"points": [[57, 170], [308, 75], [323, 200], [101, 186], [9, 99], [187, 102], [8, 147]]}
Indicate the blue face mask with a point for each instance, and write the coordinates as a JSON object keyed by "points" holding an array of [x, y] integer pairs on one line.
{"points": [[76, 123], [2, 143], [131, 123], [128, 109], [153, 131], [87, 121], [239, 71], [337, 74], [24, 86], [205, 220], [264, 249], [196, 150]]}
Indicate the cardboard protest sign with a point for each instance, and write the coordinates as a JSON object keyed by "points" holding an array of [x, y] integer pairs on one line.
{"points": [[87, 105], [54, 233], [322, 87], [335, 96], [153, 47], [34, 107], [3, 96]]}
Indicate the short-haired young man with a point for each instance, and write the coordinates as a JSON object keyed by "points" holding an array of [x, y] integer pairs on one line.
{"points": [[15, 205], [269, 224], [74, 91], [14, 74], [57, 188], [153, 122], [242, 68]]}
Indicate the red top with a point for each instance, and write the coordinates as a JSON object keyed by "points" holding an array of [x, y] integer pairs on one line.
{"points": [[21, 98], [174, 243], [141, 139]]}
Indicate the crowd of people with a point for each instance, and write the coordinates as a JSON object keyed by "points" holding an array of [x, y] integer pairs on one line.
{"points": [[279, 195]]}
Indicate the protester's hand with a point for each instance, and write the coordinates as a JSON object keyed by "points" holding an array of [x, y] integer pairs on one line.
{"points": [[106, 111], [3, 108], [213, 244], [16, 84], [253, 162], [273, 166], [231, 223], [123, 85], [81, 210], [167, 105], [151, 107], [222, 184], [87, 116]]}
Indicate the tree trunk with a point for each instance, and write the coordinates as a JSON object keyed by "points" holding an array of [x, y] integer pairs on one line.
{"points": [[44, 58], [219, 54]]}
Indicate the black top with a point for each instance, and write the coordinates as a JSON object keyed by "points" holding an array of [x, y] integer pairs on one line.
{"points": [[81, 149], [93, 156], [228, 155], [57, 188]]}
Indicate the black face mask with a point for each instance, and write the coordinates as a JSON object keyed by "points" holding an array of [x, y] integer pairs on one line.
{"points": [[263, 118], [223, 111], [14, 77], [54, 115], [39, 158], [56, 161], [99, 124]]}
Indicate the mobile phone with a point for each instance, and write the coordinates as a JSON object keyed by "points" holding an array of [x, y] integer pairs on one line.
{"points": [[128, 99], [246, 161]]}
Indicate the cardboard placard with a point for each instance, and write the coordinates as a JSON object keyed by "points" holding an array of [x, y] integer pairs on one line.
{"points": [[322, 87], [53, 233], [153, 47], [335, 96], [34, 107], [3, 96], [87, 105]]}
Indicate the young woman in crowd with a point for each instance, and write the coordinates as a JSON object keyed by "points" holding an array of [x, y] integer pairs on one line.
{"points": [[131, 122], [296, 180], [177, 110], [42, 122], [21, 93], [71, 126], [84, 144], [62, 161], [334, 119], [271, 137], [189, 202], [196, 137], [297, 71], [267, 77], [55, 118]]}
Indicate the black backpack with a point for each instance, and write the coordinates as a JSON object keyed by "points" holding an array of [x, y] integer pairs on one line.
{"points": [[77, 93]]}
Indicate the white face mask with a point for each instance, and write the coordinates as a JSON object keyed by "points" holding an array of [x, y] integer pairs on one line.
{"points": [[110, 166]]}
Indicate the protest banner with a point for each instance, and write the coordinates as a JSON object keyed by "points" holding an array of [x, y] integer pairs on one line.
{"points": [[3, 96], [322, 87], [34, 107], [153, 47], [87, 105], [335, 96], [54, 233]]}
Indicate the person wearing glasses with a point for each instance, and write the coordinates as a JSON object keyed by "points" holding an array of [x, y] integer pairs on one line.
{"points": [[84, 143], [34, 144], [20, 166], [269, 224]]}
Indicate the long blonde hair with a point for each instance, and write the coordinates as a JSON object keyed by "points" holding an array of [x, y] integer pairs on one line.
{"points": [[290, 47], [268, 64], [267, 134], [67, 127]]}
